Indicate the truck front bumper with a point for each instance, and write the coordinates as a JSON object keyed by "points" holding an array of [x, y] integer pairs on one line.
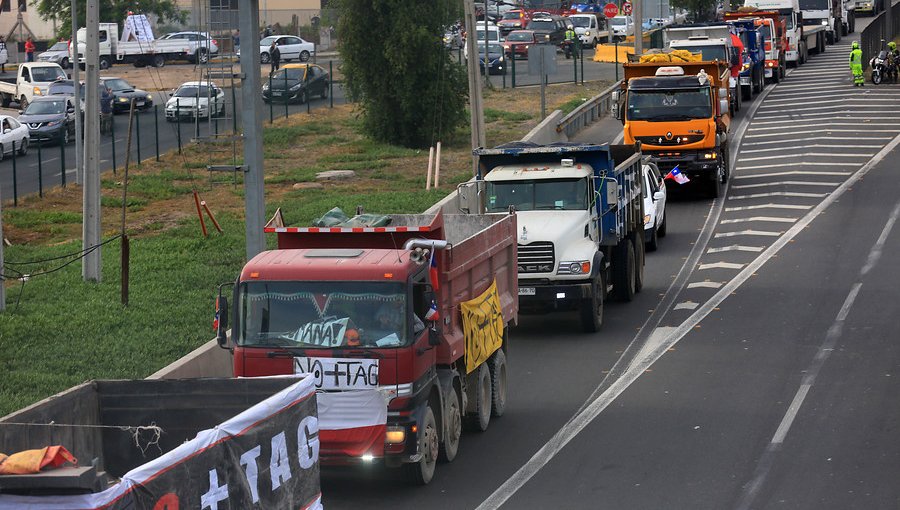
{"points": [[694, 164], [537, 295]]}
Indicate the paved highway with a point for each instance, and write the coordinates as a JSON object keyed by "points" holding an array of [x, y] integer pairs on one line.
{"points": [[757, 369]]}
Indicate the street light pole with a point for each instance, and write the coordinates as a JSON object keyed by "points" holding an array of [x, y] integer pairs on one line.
{"points": [[91, 267]]}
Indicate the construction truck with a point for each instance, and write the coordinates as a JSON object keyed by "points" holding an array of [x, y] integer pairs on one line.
{"points": [[401, 319], [579, 209], [680, 115], [773, 27]]}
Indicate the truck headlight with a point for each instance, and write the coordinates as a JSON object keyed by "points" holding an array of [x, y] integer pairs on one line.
{"points": [[395, 435], [574, 267], [825, 22], [587, 33], [710, 155], [36, 91]]}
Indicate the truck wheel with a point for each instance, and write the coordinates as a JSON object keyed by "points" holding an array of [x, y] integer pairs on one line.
{"points": [[422, 472], [453, 414], [105, 63], [714, 184], [5, 101], [497, 366], [159, 61], [23, 102], [623, 270], [479, 393], [592, 308], [202, 56], [2, 152], [638, 261]]}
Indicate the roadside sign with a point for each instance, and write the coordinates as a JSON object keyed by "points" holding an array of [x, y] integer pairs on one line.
{"points": [[542, 59], [610, 10], [626, 8]]}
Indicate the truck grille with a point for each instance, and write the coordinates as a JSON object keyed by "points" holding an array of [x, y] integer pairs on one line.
{"points": [[676, 140], [536, 257]]}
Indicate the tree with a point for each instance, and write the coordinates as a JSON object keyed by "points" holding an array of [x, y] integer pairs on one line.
{"points": [[111, 11], [396, 67]]}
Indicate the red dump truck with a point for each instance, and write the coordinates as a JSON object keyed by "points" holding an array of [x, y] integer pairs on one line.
{"points": [[403, 326]]}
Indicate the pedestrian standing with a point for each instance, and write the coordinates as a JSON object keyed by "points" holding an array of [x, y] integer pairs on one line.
{"points": [[274, 56], [856, 65], [29, 50], [4, 55]]}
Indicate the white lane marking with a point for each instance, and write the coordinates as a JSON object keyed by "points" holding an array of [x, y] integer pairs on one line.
{"points": [[828, 130], [736, 247], [772, 219], [799, 163], [785, 183], [792, 172], [875, 254], [779, 194], [812, 146], [809, 155], [686, 305], [619, 138], [705, 285], [653, 342], [840, 102], [811, 139], [767, 206], [720, 265], [816, 123], [760, 233], [862, 108], [792, 411], [660, 336], [792, 96]]}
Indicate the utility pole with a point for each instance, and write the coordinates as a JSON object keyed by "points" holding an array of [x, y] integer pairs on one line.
{"points": [[476, 112], [637, 15], [79, 144], [487, 40], [90, 265], [888, 29], [254, 199]]}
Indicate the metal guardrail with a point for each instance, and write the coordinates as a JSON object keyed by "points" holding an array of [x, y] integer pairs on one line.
{"points": [[591, 111]]}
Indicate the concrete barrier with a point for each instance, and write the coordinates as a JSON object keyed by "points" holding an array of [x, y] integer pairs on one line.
{"points": [[208, 360]]}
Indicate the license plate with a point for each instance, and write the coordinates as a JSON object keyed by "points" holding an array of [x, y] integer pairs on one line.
{"points": [[526, 291], [276, 93], [745, 81], [768, 73], [139, 103], [339, 373]]}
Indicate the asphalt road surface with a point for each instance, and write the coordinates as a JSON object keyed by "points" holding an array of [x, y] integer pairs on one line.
{"points": [[757, 369], [27, 167]]}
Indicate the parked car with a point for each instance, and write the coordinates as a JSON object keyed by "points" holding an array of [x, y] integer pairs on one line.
{"points": [[123, 92], [290, 47], [518, 42], [621, 26], [13, 136], [654, 206], [551, 28], [201, 45], [496, 58], [50, 118], [296, 83], [194, 100], [58, 54]]}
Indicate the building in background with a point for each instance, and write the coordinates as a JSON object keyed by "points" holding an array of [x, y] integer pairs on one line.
{"points": [[42, 30]]}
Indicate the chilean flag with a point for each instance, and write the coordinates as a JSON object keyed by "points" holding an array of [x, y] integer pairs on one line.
{"points": [[676, 175], [352, 423], [433, 272], [432, 314]]}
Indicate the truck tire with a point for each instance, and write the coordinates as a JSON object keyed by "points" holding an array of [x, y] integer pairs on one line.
{"points": [[479, 393], [23, 102], [202, 56], [638, 261], [453, 420], [159, 61], [592, 309], [105, 63], [497, 366], [420, 473], [623, 270], [5, 101]]}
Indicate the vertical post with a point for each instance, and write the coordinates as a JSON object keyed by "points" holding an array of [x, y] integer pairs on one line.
{"points": [[286, 91], [514, 69], [582, 64], [437, 165], [91, 263], [137, 133], [331, 84], [637, 15], [234, 124], [428, 171], [543, 86], [15, 180], [112, 132], [254, 201], [156, 127], [476, 119], [40, 171], [178, 122], [306, 88], [126, 266], [271, 101], [79, 128], [575, 62], [62, 156]]}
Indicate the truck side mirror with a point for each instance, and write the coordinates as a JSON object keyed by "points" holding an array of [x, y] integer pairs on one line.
{"points": [[614, 104], [221, 321], [723, 106]]}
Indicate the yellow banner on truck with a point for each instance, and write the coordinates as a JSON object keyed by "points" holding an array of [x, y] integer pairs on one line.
{"points": [[482, 326]]}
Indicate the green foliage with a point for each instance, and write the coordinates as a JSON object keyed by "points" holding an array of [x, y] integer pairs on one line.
{"points": [[702, 10], [111, 11], [492, 115], [411, 93]]}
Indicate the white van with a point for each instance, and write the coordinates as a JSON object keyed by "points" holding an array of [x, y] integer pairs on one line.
{"points": [[493, 35], [587, 27]]}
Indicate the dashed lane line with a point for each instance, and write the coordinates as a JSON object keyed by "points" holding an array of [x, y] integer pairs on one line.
{"points": [[782, 165], [768, 206], [827, 130], [686, 305], [705, 285], [735, 247], [720, 265], [813, 146], [758, 233], [809, 155], [786, 183], [813, 139], [795, 194], [769, 219]]}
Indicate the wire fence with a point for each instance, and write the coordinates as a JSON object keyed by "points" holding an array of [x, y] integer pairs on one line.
{"points": [[515, 73], [39, 162], [874, 37]]}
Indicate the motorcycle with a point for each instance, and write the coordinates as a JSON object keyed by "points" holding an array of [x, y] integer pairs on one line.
{"points": [[568, 47], [883, 66]]}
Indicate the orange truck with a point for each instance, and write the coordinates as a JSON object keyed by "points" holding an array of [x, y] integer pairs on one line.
{"points": [[679, 112], [773, 27]]}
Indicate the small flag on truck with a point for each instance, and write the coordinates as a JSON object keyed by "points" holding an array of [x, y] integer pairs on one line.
{"points": [[676, 175]]}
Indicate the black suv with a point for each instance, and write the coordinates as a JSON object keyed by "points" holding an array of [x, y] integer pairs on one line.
{"points": [[550, 29]]}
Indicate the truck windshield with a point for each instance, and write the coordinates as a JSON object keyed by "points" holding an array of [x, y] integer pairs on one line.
{"points": [[709, 52], [323, 315], [766, 33], [538, 194], [788, 15], [47, 73], [669, 105], [580, 21]]}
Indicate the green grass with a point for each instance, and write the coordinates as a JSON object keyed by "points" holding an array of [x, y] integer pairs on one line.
{"points": [[286, 135], [570, 105], [492, 115], [29, 218]]}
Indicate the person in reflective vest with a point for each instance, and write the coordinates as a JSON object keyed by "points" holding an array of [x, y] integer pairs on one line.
{"points": [[856, 64]]}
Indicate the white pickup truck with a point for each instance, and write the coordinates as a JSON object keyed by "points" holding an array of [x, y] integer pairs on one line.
{"points": [[32, 79], [140, 53]]}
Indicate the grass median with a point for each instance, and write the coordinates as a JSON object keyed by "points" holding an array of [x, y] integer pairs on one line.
{"points": [[59, 331]]}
